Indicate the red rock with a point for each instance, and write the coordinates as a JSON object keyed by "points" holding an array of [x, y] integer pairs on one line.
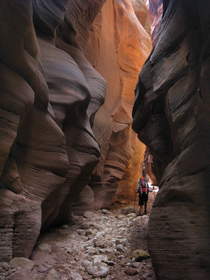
{"points": [[121, 45]]}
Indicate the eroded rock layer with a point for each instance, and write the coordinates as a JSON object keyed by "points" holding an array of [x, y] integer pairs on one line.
{"points": [[118, 48], [171, 115], [50, 129], [49, 96]]}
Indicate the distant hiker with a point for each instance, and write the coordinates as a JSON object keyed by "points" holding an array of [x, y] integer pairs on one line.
{"points": [[143, 191]]}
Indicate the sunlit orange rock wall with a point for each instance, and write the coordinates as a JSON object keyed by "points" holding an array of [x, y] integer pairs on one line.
{"points": [[118, 48]]}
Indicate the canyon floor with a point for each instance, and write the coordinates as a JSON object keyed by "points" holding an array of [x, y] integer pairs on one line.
{"points": [[102, 244]]}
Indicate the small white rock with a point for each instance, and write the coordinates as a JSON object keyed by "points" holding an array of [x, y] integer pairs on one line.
{"points": [[100, 258], [96, 270]]}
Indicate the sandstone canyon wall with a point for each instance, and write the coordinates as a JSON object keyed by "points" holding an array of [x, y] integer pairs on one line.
{"points": [[119, 45], [171, 116], [50, 130], [49, 96]]}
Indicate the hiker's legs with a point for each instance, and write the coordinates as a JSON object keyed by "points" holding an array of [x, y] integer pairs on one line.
{"points": [[141, 210], [145, 207], [141, 204]]}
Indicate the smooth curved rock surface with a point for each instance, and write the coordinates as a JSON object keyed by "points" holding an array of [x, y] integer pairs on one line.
{"points": [[50, 125], [121, 44], [49, 96], [171, 115], [76, 93], [33, 157], [84, 155]]}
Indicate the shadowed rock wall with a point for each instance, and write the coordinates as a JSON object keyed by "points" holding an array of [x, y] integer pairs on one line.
{"points": [[76, 111], [49, 96], [118, 48], [171, 115]]}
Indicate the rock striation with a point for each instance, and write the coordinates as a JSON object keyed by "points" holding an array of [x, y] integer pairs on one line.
{"points": [[53, 127], [171, 116], [49, 96], [121, 44], [76, 93]]}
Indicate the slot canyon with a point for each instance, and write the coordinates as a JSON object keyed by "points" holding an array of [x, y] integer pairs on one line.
{"points": [[96, 94]]}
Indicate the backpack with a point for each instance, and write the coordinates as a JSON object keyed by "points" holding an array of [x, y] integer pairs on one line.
{"points": [[144, 186]]}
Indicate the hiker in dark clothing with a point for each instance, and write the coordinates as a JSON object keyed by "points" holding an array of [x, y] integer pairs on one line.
{"points": [[143, 191]]}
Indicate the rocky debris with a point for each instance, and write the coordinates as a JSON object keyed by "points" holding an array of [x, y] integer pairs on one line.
{"points": [[5, 270], [110, 251], [53, 275], [73, 256], [110, 263], [63, 272], [128, 210], [97, 269], [19, 263], [120, 248], [105, 211], [81, 231], [75, 276], [100, 258], [18, 269], [131, 271], [88, 214], [101, 243], [92, 251], [45, 247]]}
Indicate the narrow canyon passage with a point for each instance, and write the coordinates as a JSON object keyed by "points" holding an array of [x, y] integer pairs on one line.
{"points": [[102, 244], [97, 96]]}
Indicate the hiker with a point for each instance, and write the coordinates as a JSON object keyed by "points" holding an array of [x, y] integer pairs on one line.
{"points": [[143, 191]]}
